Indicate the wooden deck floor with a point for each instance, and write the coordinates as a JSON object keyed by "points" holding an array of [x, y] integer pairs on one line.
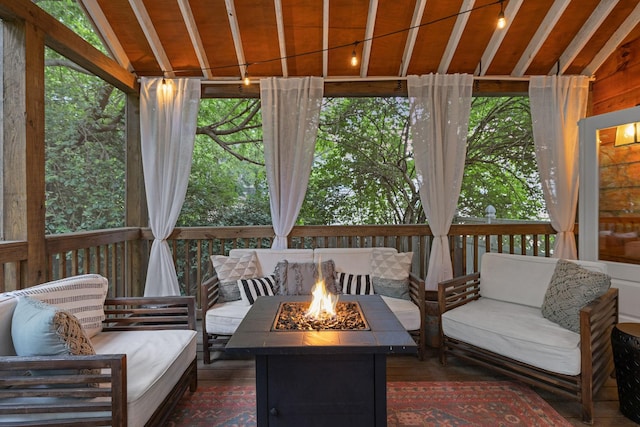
{"points": [[226, 371]]}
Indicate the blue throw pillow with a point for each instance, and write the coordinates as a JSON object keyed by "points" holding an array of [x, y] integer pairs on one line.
{"points": [[40, 329]]}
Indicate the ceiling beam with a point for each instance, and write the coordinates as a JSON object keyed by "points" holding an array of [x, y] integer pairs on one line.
{"points": [[325, 38], [68, 44], [456, 34], [612, 44], [599, 14], [107, 35], [538, 39], [281, 41], [416, 19], [237, 40], [498, 36], [194, 35], [370, 88], [368, 35], [152, 37]]}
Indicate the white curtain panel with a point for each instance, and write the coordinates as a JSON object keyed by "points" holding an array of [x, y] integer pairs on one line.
{"points": [[440, 105], [290, 115], [168, 119], [557, 103]]}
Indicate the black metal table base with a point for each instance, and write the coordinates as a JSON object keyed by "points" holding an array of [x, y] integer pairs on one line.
{"points": [[625, 342]]}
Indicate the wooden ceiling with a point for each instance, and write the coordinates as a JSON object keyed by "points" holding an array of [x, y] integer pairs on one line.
{"points": [[221, 40]]}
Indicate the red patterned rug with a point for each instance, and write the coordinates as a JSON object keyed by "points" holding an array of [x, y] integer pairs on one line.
{"points": [[415, 404]]}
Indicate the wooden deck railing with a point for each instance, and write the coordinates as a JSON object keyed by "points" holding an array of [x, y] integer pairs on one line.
{"points": [[120, 254]]}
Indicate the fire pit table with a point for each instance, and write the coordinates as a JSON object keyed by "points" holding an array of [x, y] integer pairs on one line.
{"points": [[321, 377]]}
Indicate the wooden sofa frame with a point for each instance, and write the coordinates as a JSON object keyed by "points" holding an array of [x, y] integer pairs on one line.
{"points": [[596, 322], [210, 293], [60, 373]]}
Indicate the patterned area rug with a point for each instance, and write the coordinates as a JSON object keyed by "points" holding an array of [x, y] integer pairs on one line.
{"points": [[415, 404]]}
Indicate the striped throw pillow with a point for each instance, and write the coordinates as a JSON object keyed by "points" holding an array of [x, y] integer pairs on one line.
{"points": [[355, 284], [251, 289], [83, 296]]}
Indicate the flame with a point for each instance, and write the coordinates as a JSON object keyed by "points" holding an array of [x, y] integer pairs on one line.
{"points": [[323, 304]]}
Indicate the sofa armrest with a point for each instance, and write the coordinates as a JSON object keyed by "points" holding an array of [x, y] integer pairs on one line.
{"points": [[149, 313], [597, 319], [417, 292], [54, 390], [209, 292], [458, 291]]}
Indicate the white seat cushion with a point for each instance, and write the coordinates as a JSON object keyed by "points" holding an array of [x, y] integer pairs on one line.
{"points": [[406, 311], [225, 317], [516, 331], [155, 362]]}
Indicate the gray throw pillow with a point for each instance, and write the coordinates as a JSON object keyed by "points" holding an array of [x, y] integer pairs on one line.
{"points": [[229, 291], [298, 278], [571, 288], [394, 288]]}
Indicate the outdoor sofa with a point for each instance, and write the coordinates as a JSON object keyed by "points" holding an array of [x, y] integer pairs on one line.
{"points": [[145, 355], [221, 317], [534, 319]]}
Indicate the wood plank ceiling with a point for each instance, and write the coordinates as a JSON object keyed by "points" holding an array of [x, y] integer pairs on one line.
{"points": [[222, 40]]}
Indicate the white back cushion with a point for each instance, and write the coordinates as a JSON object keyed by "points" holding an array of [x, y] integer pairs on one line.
{"points": [[269, 258], [349, 260], [521, 279]]}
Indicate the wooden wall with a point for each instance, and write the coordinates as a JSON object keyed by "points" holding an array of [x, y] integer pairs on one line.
{"points": [[617, 84]]}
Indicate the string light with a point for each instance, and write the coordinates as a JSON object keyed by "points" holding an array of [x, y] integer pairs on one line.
{"points": [[502, 22], [354, 57], [246, 79]]}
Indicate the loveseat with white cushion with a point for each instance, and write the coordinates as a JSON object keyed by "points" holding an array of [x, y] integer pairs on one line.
{"points": [[247, 274], [70, 355], [543, 321]]}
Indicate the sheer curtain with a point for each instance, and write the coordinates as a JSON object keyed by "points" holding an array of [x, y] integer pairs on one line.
{"points": [[439, 111], [290, 114], [557, 103], [168, 118]]}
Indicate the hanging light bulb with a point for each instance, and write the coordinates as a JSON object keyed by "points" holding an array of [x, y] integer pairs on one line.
{"points": [[167, 88], [354, 58], [502, 21], [246, 79]]}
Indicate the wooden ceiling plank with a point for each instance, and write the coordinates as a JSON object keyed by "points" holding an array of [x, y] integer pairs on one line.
{"points": [[411, 38], [549, 22], [107, 35], [582, 38], [152, 36], [194, 35], [498, 36], [612, 44], [456, 34], [325, 38], [235, 33], [368, 35], [281, 37]]}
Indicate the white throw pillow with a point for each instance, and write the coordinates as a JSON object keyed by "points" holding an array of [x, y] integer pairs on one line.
{"points": [[387, 265], [83, 296], [235, 268]]}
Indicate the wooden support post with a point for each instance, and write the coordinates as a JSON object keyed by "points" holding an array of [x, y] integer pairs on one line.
{"points": [[23, 145], [136, 213]]}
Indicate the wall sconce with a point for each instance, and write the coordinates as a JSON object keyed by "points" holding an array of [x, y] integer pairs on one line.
{"points": [[627, 134]]}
